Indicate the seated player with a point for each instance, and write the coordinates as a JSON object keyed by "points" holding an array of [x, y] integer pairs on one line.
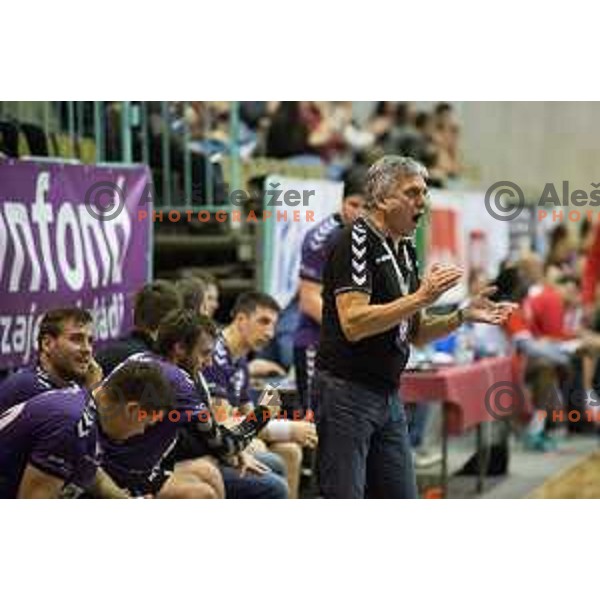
{"points": [[193, 294], [151, 304], [253, 325], [48, 444], [211, 295], [155, 462], [64, 358]]}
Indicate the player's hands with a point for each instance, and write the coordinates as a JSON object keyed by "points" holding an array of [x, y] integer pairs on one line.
{"points": [[249, 464], [261, 367], [94, 374], [483, 310], [305, 434], [439, 279], [589, 311]]}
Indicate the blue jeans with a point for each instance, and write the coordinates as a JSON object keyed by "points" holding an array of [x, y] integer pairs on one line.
{"points": [[271, 485], [364, 449], [417, 421]]}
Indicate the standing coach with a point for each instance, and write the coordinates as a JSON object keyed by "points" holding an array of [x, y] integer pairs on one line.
{"points": [[372, 303]]}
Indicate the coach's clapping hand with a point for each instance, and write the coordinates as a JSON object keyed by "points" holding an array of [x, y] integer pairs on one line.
{"points": [[439, 279], [483, 310]]}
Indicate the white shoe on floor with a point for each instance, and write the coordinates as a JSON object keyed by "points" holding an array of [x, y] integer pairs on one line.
{"points": [[427, 458]]}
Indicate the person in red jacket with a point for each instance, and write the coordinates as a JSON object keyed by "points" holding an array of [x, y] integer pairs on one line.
{"points": [[543, 307], [589, 281]]}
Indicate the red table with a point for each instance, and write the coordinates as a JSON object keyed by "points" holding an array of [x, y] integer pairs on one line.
{"points": [[462, 391]]}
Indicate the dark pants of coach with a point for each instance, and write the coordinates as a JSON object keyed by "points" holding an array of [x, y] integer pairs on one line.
{"points": [[364, 448]]}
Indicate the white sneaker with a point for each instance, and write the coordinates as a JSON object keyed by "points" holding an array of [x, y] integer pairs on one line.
{"points": [[593, 406], [427, 458]]}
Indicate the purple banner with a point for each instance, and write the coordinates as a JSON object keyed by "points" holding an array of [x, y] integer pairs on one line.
{"points": [[69, 236]]}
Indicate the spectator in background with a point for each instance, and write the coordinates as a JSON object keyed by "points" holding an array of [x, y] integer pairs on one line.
{"points": [[446, 139], [151, 304], [544, 305], [562, 254], [591, 271], [425, 125], [64, 358], [586, 239], [383, 121], [351, 136], [289, 132], [404, 138], [546, 317]]}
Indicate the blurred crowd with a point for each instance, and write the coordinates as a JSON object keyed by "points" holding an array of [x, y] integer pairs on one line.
{"points": [[324, 133], [553, 335]]}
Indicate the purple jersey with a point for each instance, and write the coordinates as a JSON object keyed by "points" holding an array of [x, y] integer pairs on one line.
{"points": [[226, 377], [56, 432], [139, 463], [25, 384], [188, 431], [315, 249]]}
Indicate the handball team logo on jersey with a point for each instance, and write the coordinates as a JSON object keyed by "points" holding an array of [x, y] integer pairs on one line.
{"points": [[238, 381], [221, 353], [87, 422], [402, 333], [323, 232], [359, 251]]}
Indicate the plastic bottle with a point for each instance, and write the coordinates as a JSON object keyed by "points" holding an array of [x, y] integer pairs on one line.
{"points": [[464, 350]]}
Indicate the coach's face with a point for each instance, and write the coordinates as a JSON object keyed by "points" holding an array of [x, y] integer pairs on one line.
{"points": [[405, 206]]}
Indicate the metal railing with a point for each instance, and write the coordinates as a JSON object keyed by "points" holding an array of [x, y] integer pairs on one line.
{"points": [[188, 172]]}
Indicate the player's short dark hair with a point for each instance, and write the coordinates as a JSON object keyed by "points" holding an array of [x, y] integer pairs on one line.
{"points": [[354, 181], [184, 327], [192, 291], [442, 107], [248, 302], [422, 119], [53, 321], [153, 302], [142, 382]]}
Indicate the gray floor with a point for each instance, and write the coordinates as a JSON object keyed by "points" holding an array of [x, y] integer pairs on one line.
{"points": [[528, 470]]}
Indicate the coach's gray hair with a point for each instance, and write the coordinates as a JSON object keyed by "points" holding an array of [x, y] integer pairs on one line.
{"points": [[382, 177]]}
